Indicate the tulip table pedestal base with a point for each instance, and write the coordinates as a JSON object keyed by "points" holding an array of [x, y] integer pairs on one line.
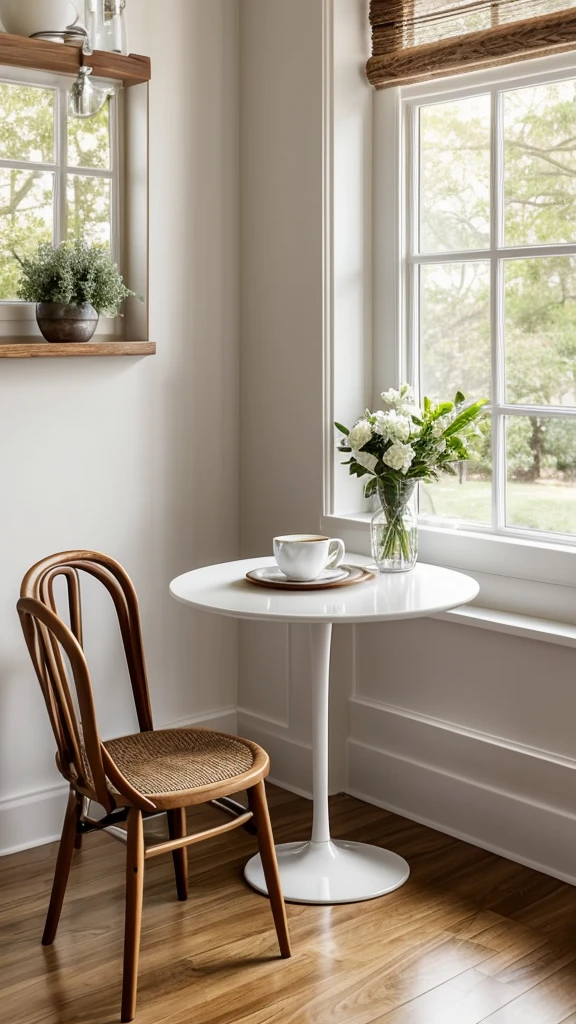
{"points": [[332, 872], [323, 871]]}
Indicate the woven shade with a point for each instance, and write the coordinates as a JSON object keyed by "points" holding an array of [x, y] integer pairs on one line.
{"points": [[417, 40]]}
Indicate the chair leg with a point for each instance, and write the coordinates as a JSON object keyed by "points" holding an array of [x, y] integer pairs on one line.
{"points": [[62, 871], [177, 830], [84, 807], [133, 921], [259, 807]]}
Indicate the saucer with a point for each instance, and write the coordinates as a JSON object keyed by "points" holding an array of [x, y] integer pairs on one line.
{"points": [[343, 576], [272, 574]]}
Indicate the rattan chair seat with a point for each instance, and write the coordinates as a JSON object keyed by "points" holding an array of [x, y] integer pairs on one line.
{"points": [[173, 760]]}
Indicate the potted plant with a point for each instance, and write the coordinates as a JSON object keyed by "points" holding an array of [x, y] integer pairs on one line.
{"points": [[397, 448], [72, 286]]}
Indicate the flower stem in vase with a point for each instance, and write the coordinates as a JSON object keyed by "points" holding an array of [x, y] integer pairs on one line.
{"points": [[394, 527]]}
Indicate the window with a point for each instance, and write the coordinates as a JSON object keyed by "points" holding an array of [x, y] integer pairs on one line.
{"points": [[490, 289], [58, 174]]}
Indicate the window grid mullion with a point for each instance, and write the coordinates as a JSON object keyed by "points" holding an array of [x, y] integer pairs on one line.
{"points": [[414, 361], [115, 218], [60, 216], [501, 252], [497, 315]]}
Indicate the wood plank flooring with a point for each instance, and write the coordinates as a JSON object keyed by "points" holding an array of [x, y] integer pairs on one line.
{"points": [[470, 938]]}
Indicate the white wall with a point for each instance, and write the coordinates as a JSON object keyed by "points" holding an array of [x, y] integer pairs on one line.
{"points": [[468, 730], [281, 357], [281, 268], [133, 457]]}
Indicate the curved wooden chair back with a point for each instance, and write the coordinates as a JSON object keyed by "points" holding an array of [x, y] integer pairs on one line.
{"points": [[82, 759]]}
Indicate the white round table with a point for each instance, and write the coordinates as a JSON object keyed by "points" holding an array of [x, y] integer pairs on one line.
{"points": [[324, 871]]}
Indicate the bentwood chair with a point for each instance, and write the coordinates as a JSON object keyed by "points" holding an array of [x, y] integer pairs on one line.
{"points": [[150, 772]]}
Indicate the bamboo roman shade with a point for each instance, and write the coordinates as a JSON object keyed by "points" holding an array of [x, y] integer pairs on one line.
{"points": [[416, 40]]}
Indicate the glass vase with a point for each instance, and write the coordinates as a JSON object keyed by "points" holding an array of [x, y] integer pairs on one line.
{"points": [[106, 24], [394, 527]]}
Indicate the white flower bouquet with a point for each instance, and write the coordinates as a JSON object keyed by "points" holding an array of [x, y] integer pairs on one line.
{"points": [[401, 445]]}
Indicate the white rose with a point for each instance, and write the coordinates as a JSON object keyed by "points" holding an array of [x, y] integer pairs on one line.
{"points": [[393, 426], [366, 460], [398, 398], [391, 397], [440, 426], [399, 456], [360, 434]]}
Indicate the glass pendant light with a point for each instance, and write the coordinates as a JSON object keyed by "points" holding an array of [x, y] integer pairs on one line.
{"points": [[87, 100]]}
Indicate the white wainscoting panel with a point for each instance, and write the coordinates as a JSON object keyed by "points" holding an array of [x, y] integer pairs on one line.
{"points": [[265, 658], [290, 758], [492, 683], [517, 801], [277, 659]]}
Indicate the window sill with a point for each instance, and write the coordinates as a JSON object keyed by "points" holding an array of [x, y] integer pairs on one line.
{"points": [[517, 578], [515, 625]]}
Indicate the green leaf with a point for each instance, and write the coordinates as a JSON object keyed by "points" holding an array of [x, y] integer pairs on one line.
{"points": [[442, 410], [459, 398], [342, 429], [371, 487], [467, 416]]}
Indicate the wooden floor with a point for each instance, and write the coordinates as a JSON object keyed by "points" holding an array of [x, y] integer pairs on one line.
{"points": [[470, 938]]}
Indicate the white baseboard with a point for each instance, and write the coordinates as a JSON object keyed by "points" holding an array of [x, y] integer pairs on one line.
{"points": [[510, 800], [474, 840], [34, 819]]}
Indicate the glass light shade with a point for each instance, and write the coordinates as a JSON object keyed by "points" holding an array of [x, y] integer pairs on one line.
{"points": [[87, 100]]}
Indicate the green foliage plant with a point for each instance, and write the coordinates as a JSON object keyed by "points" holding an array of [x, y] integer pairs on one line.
{"points": [[73, 273]]}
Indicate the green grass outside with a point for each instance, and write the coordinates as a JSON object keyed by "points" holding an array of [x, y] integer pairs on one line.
{"points": [[540, 506]]}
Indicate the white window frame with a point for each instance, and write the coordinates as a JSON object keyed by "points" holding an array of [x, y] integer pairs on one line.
{"points": [[494, 255], [15, 312], [523, 573]]}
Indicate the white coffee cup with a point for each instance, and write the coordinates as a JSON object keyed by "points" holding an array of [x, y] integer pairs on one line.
{"points": [[303, 556]]}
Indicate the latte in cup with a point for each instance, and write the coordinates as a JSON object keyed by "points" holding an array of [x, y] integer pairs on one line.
{"points": [[303, 556]]}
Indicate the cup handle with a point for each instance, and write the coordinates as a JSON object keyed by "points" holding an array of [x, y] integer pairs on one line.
{"points": [[337, 553]]}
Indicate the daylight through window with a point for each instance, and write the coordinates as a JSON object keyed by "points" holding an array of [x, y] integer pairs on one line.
{"points": [[57, 174], [492, 295]]}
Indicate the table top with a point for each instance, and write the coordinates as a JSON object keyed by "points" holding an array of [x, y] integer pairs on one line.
{"points": [[425, 590]]}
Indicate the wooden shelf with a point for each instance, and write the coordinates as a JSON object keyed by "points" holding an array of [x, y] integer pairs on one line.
{"points": [[29, 348], [62, 58]]}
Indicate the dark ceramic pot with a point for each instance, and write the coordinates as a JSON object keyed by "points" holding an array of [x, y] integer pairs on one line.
{"points": [[62, 323]]}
